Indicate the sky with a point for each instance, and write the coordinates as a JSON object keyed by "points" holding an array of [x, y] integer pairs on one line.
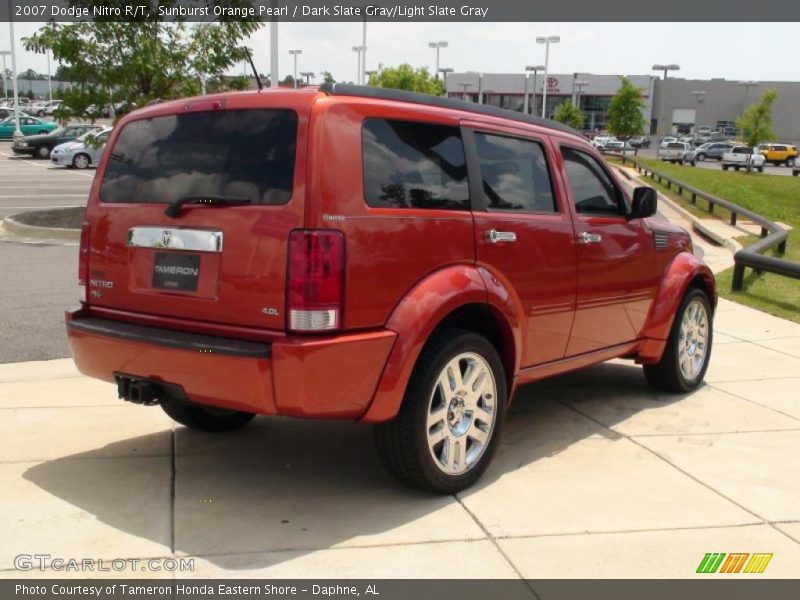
{"points": [[598, 48]]}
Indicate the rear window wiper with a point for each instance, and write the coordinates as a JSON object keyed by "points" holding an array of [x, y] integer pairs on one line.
{"points": [[174, 207]]}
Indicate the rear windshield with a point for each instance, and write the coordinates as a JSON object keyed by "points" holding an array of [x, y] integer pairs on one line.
{"points": [[237, 153]]}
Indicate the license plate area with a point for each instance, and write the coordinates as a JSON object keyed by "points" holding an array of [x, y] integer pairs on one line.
{"points": [[177, 271]]}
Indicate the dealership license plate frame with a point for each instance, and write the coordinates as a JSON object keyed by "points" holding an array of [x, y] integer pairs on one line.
{"points": [[178, 280]]}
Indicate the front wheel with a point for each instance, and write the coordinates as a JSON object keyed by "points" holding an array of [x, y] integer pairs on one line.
{"points": [[685, 359], [701, 157], [81, 161], [205, 418], [43, 152], [452, 415]]}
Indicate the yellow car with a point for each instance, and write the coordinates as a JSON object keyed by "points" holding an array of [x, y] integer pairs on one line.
{"points": [[779, 154]]}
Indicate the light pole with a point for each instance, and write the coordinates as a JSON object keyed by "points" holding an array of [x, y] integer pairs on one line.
{"points": [[438, 46], [308, 75], [17, 132], [358, 50], [464, 87], [480, 85], [535, 69], [444, 71], [5, 53], [550, 39], [363, 48], [747, 85], [666, 69], [369, 73], [295, 53], [273, 54]]}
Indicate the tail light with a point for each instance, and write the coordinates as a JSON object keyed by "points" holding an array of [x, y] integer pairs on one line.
{"points": [[315, 283], [83, 259]]}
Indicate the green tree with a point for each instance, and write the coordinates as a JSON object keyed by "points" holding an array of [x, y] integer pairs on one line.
{"points": [[327, 77], [140, 61], [405, 77], [625, 117], [756, 122], [569, 114]]}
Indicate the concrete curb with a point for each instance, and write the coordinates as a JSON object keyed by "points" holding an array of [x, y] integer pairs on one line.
{"points": [[10, 225], [730, 243]]}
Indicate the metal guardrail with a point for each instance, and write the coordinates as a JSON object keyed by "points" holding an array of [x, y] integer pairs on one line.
{"points": [[772, 234]]}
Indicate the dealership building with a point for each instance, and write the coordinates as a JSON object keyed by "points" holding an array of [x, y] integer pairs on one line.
{"points": [[671, 105]]}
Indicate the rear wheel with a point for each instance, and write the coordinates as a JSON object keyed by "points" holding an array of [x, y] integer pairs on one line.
{"points": [[724, 167], [81, 161], [452, 415], [685, 359], [205, 418], [790, 162]]}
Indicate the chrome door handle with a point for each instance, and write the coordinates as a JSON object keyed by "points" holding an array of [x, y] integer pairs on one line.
{"points": [[584, 237], [495, 236]]}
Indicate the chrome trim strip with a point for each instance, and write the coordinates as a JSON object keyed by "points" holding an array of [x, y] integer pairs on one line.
{"points": [[173, 238]]}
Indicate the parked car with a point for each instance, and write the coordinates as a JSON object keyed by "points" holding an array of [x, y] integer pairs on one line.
{"points": [[123, 107], [617, 147], [704, 130], [49, 108], [98, 111], [27, 125], [83, 152], [601, 140], [779, 154], [233, 263], [640, 141], [713, 150], [666, 140], [41, 145], [743, 157], [677, 153], [7, 111]]}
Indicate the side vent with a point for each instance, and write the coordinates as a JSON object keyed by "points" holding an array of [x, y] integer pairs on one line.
{"points": [[660, 239]]}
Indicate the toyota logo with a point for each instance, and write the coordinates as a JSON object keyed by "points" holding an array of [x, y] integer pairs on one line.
{"points": [[552, 82]]}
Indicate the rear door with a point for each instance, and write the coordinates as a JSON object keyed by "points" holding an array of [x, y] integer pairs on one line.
{"points": [[223, 264], [523, 233]]}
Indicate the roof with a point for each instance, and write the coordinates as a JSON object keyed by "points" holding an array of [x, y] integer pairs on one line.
{"points": [[346, 89]]}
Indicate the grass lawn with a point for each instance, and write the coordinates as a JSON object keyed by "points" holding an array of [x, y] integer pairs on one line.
{"points": [[773, 196]]}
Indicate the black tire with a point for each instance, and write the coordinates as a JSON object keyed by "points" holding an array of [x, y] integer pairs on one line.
{"points": [[724, 167], [402, 443], [40, 113], [701, 157], [205, 418], [790, 162], [667, 375], [42, 152], [736, 168], [795, 173], [761, 169], [81, 160]]}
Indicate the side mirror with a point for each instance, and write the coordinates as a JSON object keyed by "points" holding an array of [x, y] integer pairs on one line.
{"points": [[645, 203]]}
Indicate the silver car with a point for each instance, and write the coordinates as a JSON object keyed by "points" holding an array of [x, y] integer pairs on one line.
{"points": [[82, 152]]}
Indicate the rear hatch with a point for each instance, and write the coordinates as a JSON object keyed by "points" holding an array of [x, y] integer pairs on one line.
{"points": [[221, 257]]}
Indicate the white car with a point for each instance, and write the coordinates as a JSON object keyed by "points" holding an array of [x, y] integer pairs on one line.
{"points": [[82, 152], [677, 153], [601, 140], [49, 108], [668, 140], [743, 157]]}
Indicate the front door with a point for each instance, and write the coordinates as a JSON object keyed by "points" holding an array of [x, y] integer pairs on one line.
{"points": [[524, 236], [616, 264]]}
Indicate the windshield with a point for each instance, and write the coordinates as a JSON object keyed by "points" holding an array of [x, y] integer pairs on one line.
{"points": [[244, 153]]}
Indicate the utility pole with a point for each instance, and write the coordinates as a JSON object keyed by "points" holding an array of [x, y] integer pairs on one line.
{"points": [[535, 69], [273, 53], [550, 39]]}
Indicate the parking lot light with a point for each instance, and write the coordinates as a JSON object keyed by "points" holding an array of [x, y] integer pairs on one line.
{"points": [[666, 68], [747, 85], [369, 73], [535, 69], [17, 132], [550, 39], [438, 46], [5, 53], [444, 71], [308, 75], [295, 53], [358, 49]]}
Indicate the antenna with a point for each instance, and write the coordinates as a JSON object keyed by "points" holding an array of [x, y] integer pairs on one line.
{"points": [[255, 71]]}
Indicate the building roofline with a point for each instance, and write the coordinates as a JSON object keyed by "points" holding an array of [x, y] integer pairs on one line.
{"points": [[360, 91]]}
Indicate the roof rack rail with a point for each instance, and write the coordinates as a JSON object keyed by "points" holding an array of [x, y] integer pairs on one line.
{"points": [[346, 89]]}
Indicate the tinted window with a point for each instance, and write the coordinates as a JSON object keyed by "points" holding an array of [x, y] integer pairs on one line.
{"points": [[417, 165], [592, 189], [514, 173], [236, 153]]}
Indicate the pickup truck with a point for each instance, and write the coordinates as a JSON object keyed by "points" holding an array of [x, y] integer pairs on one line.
{"points": [[743, 157], [677, 152]]}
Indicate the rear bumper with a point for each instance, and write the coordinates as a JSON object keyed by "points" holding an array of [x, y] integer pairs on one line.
{"points": [[330, 377]]}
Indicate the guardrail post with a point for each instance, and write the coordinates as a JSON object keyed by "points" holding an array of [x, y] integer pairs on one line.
{"points": [[782, 247], [764, 232], [738, 277], [694, 198], [733, 218], [680, 190], [710, 207]]}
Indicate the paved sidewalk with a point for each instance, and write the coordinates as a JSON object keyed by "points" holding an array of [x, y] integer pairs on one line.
{"points": [[596, 476]]}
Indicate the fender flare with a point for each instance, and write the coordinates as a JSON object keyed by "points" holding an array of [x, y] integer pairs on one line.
{"points": [[683, 269], [418, 314]]}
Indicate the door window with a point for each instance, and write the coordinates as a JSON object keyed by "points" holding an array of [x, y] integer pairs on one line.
{"points": [[515, 174], [593, 191], [414, 165]]}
